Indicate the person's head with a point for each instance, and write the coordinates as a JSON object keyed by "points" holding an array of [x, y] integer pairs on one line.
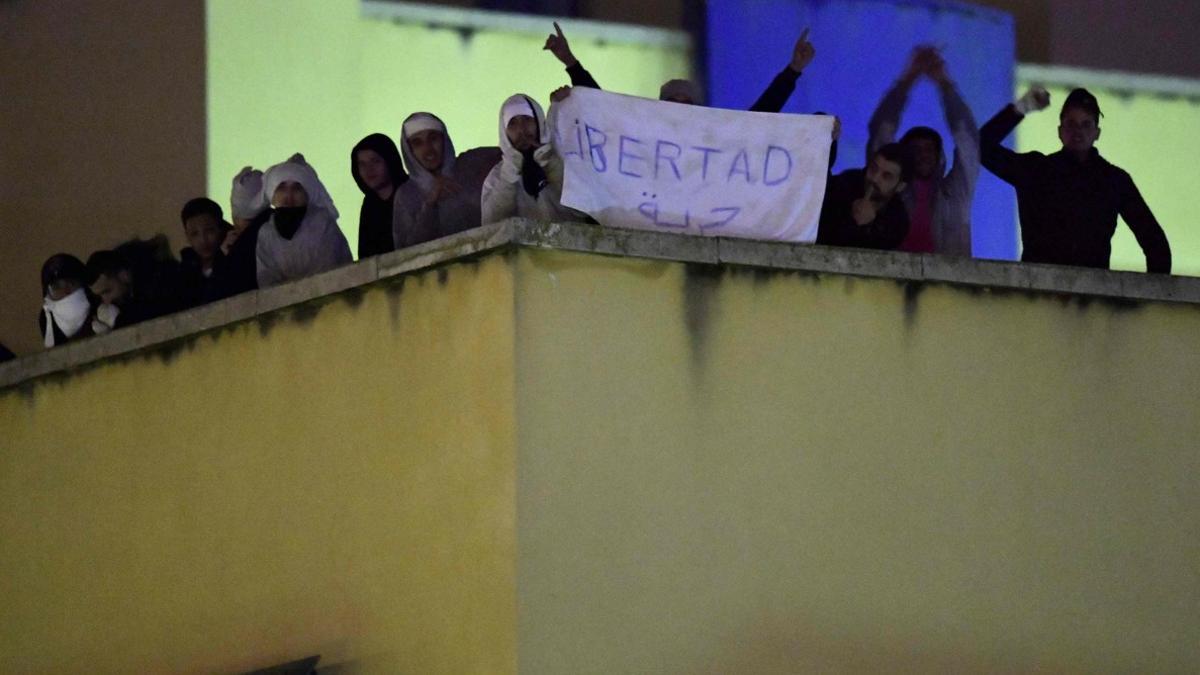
{"points": [[204, 225], [62, 275], [424, 137], [429, 148], [1079, 122], [680, 91], [924, 145], [372, 169], [293, 189], [111, 277], [289, 194], [888, 172], [523, 124], [376, 166], [522, 132]]}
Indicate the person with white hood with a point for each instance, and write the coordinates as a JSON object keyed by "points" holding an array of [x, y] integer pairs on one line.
{"points": [[441, 196], [302, 236], [528, 180], [67, 306]]}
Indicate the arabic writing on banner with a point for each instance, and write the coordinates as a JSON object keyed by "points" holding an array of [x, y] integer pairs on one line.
{"points": [[636, 163]]}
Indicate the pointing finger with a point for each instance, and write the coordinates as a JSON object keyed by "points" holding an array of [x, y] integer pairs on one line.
{"points": [[804, 36], [557, 29]]}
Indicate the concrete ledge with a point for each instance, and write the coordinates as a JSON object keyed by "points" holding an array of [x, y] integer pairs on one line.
{"points": [[255, 303], [1050, 279]]}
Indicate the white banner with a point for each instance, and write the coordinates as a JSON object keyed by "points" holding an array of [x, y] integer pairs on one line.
{"points": [[637, 163]]}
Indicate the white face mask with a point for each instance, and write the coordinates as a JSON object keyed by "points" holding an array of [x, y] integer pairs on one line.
{"points": [[69, 314]]}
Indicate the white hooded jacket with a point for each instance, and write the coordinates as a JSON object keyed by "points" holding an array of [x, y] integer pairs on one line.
{"points": [[318, 244], [503, 194], [414, 220]]}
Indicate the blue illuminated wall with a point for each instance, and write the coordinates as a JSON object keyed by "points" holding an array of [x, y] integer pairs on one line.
{"points": [[862, 46]]}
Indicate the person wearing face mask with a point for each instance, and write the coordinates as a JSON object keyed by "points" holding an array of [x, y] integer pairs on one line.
{"points": [[528, 180], [204, 272], [938, 202], [442, 194], [377, 168], [302, 236], [1069, 201], [67, 307], [863, 208]]}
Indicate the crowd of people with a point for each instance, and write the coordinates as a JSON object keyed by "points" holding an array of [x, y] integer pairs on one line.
{"points": [[283, 222]]}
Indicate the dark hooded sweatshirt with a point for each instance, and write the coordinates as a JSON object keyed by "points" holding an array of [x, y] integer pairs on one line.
{"points": [[1069, 208], [375, 218]]}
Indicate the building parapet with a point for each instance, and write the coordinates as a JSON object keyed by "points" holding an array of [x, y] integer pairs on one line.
{"points": [[1124, 287]]}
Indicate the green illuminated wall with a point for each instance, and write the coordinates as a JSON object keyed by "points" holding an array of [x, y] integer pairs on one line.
{"points": [[1154, 139], [316, 77]]}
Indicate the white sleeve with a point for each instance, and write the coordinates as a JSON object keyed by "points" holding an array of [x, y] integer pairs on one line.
{"points": [[499, 196]]}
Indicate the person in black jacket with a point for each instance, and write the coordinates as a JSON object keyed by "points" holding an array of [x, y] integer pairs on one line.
{"points": [[1069, 201], [862, 207], [377, 168]]}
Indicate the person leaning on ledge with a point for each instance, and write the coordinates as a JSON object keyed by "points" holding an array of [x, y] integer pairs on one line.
{"points": [[1069, 201]]}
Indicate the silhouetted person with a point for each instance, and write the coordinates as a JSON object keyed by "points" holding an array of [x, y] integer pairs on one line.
{"points": [[1069, 201]]}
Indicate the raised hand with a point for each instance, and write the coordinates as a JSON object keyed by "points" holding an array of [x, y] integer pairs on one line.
{"points": [[560, 94], [802, 53], [1037, 98], [923, 56], [935, 68], [559, 47]]}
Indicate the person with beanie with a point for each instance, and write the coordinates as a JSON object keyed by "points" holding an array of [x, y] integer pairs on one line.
{"points": [[1069, 201]]}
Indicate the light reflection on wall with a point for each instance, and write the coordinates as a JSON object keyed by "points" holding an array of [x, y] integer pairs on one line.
{"points": [[317, 77]]}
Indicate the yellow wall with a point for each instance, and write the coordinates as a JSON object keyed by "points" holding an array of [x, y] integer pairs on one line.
{"points": [[560, 462], [258, 495], [1155, 139], [316, 76], [798, 473]]}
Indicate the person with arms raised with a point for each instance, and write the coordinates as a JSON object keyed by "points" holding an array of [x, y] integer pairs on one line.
{"points": [[1069, 200], [938, 202]]}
